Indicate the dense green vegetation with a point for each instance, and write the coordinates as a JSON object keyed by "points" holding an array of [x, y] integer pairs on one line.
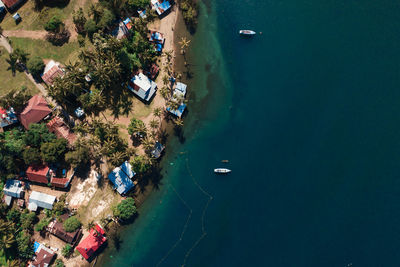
{"points": [[20, 149], [125, 210], [67, 250], [71, 224]]}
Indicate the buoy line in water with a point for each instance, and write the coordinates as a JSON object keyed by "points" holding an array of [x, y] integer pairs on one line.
{"points": [[183, 229], [203, 228], [204, 233]]}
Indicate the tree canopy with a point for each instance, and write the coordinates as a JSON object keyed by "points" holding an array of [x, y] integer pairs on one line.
{"points": [[71, 224], [125, 210]]}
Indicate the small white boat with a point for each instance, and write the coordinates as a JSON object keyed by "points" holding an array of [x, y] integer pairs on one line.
{"points": [[247, 32], [222, 170]]}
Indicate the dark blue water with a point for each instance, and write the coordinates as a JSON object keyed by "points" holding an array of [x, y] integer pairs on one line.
{"points": [[308, 114]]}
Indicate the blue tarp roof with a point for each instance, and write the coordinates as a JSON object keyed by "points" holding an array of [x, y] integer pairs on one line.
{"points": [[120, 178], [179, 111], [159, 47], [35, 246]]}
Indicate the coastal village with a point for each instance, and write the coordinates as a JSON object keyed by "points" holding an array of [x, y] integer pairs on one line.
{"points": [[89, 93]]}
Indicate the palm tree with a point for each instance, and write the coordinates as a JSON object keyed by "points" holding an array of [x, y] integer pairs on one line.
{"points": [[96, 11], [184, 44], [164, 91], [22, 56], [178, 122], [148, 144], [154, 124], [7, 241], [165, 80], [157, 112], [13, 63], [90, 225], [13, 263]]}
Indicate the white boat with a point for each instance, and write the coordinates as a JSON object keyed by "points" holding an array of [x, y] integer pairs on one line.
{"points": [[247, 32], [222, 170]]}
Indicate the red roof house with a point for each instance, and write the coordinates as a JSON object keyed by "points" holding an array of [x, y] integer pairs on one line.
{"points": [[60, 129], [35, 111], [11, 4], [51, 72], [60, 182], [39, 174], [92, 243]]}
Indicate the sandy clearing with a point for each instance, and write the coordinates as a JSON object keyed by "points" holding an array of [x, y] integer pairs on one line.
{"points": [[26, 34]]}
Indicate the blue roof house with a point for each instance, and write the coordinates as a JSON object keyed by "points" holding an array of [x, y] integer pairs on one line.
{"points": [[160, 6], [180, 90], [121, 178]]}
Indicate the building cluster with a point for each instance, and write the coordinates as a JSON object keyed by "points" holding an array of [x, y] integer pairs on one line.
{"points": [[18, 191]]}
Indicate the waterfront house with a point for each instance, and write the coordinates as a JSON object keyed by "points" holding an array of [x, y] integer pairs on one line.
{"points": [[121, 178], [179, 92], [157, 150], [56, 228], [52, 71], [160, 6], [13, 188], [42, 200], [142, 86], [43, 256], [7, 118], [88, 246], [61, 130], [36, 110]]}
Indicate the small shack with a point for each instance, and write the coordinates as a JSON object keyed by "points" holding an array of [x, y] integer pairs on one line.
{"points": [[7, 117], [42, 200], [13, 188], [92, 242], [157, 150], [52, 71], [121, 178]]}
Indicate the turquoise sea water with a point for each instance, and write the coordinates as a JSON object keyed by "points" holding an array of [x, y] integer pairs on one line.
{"points": [[308, 114]]}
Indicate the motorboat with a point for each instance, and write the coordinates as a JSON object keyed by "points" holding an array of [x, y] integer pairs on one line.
{"points": [[222, 170], [247, 32]]}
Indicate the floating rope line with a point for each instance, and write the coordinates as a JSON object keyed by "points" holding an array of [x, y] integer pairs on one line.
{"points": [[183, 229], [203, 230]]}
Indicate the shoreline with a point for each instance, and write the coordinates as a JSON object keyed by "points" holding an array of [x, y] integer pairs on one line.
{"points": [[172, 31]]}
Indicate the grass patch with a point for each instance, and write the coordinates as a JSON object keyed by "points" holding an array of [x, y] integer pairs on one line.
{"points": [[64, 54], [10, 82], [34, 20]]}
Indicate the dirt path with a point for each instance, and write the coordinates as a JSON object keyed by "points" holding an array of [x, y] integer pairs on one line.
{"points": [[26, 34]]}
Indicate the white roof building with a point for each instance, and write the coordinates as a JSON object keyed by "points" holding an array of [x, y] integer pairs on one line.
{"points": [[142, 86], [42, 200], [13, 188]]}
